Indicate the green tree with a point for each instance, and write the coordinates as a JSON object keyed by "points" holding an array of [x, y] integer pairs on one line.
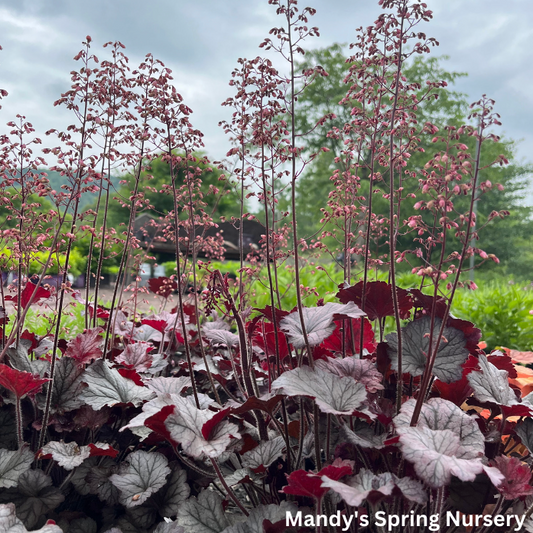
{"points": [[449, 107], [220, 198]]}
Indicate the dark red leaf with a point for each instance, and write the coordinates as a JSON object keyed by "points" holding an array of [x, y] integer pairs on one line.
{"points": [[458, 391], [159, 325], [210, 425], [334, 342], [190, 311], [129, 373], [519, 409], [269, 312], [265, 338], [157, 422], [100, 451], [378, 299], [337, 471], [503, 362], [162, 286], [517, 476], [425, 303], [32, 338], [86, 346], [20, 383], [255, 403], [302, 483], [25, 296]]}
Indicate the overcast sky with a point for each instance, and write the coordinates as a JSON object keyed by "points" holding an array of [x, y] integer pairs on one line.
{"points": [[491, 40]]}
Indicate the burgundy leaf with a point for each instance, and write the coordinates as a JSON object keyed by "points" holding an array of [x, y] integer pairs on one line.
{"points": [[130, 373], [162, 286], [159, 325], [20, 383], [302, 483], [136, 356], [253, 403], [210, 425], [319, 322], [425, 303], [265, 338], [335, 341], [458, 391], [503, 362], [270, 311], [86, 346], [100, 449], [25, 296], [378, 299], [157, 422], [517, 476]]}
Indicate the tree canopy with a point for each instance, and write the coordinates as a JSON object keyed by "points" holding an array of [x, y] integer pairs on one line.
{"points": [[510, 239]]}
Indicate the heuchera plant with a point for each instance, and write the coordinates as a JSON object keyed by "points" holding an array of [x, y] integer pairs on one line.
{"points": [[215, 417]]}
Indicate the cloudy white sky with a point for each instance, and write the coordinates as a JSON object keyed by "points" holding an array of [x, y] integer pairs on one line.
{"points": [[491, 40]]}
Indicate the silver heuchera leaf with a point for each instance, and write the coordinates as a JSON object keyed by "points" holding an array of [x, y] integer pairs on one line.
{"points": [[412, 489], [174, 493], [333, 394], [362, 370], [525, 431], [363, 435], [221, 336], [68, 455], [107, 387], [67, 387], [492, 384], [136, 355], [438, 454], [185, 426], [452, 352], [169, 527], [12, 465], [151, 408], [359, 487], [264, 454], [318, 321], [145, 474], [440, 414], [203, 514], [38, 497], [9, 523], [163, 385], [254, 522]]}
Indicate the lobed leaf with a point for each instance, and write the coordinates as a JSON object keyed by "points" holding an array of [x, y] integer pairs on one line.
{"points": [[203, 514], [13, 464], [86, 346], [9, 523], [145, 474], [362, 370], [318, 321], [105, 386], [440, 414], [451, 354], [492, 384], [67, 454], [333, 394], [264, 454]]}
